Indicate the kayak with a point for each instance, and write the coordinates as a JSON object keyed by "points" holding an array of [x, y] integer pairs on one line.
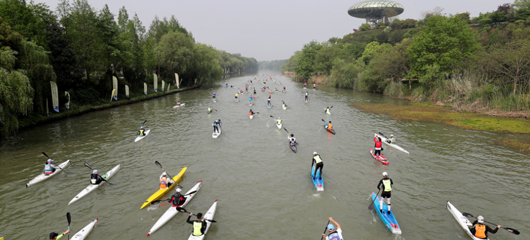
{"points": [[462, 220], [43, 176], [332, 130], [306, 101], [293, 147], [250, 104], [384, 140], [172, 211], [379, 158], [269, 106], [161, 192], [216, 134], [92, 187], [214, 100], [181, 105], [142, 137], [284, 107], [209, 111], [250, 116], [83, 233], [319, 181], [209, 216], [388, 219], [279, 126]]}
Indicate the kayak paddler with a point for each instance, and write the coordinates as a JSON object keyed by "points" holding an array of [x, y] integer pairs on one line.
{"points": [[314, 86], [141, 132], [305, 84], [329, 126], [237, 94], [319, 164], [56, 236], [306, 95], [378, 146], [284, 88], [254, 91], [251, 113], [328, 110], [284, 105], [199, 225], [279, 121], [391, 140], [95, 178], [292, 139], [480, 230], [250, 98], [386, 183], [49, 168], [177, 199], [332, 233], [269, 101], [165, 182], [210, 109], [213, 95]]}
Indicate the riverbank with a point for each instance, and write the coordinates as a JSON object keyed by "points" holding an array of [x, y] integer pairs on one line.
{"points": [[423, 112], [35, 120]]}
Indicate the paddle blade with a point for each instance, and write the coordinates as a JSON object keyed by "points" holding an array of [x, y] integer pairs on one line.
{"points": [[211, 220], [158, 164], [323, 120], [514, 231], [88, 166], [467, 214], [45, 155], [69, 218], [371, 207], [144, 122]]}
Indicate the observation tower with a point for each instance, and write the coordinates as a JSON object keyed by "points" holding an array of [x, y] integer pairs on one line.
{"points": [[376, 10]]}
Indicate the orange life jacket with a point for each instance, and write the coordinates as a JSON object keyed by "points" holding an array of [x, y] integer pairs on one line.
{"points": [[330, 126], [480, 231], [163, 183], [250, 113]]}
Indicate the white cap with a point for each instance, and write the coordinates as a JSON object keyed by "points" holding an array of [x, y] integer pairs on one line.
{"points": [[314, 153], [480, 219], [385, 174], [179, 190]]}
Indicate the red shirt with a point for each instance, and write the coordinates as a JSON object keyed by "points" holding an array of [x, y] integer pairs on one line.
{"points": [[378, 144]]}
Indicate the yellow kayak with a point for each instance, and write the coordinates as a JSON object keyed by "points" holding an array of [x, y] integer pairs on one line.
{"points": [[161, 192]]}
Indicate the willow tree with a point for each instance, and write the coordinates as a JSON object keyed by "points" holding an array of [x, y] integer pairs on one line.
{"points": [[175, 50]]}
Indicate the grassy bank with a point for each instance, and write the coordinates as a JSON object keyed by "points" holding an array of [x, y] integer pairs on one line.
{"points": [[35, 120], [421, 112]]}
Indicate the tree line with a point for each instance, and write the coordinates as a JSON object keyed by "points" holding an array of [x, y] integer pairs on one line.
{"points": [[81, 49], [483, 62]]}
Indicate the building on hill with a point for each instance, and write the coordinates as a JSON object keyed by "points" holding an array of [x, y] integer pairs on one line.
{"points": [[375, 11]]}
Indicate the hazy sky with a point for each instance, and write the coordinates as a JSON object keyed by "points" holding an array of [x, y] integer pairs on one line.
{"points": [[272, 29]]}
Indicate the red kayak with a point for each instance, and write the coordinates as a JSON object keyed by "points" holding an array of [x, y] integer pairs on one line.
{"points": [[379, 158]]}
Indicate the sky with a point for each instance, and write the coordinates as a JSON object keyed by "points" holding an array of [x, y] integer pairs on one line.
{"points": [[271, 29]]}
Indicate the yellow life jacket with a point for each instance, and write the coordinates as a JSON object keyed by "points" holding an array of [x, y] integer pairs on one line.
{"points": [[327, 110], [388, 185], [279, 122], [480, 230], [163, 183], [141, 132], [197, 225], [317, 159], [209, 109]]}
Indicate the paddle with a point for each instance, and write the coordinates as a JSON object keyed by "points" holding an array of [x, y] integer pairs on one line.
{"points": [[160, 200], [324, 233], [180, 209], [88, 166], [69, 218], [514, 231], [160, 166], [372, 204], [50, 158]]}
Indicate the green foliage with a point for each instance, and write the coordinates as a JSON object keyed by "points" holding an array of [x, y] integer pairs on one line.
{"points": [[345, 73], [444, 42], [305, 65], [365, 27], [374, 49], [272, 65], [23, 20]]}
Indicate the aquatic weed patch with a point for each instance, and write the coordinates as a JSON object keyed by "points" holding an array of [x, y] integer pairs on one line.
{"points": [[519, 145], [418, 112]]}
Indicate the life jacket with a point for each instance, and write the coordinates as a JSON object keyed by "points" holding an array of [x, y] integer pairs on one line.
{"points": [[279, 121], [334, 236], [209, 109], [317, 159], [237, 94], [48, 169], [330, 126], [284, 106], [392, 140], [388, 185], [163, 183], [306, 93], [197, 226], [480, 230], [177, 201], [327, 110], [271, 91], [250, 113], [141, 132], [94, 178]]}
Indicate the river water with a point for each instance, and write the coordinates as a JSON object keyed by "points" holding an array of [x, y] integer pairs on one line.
{"points": [[264, 189]]}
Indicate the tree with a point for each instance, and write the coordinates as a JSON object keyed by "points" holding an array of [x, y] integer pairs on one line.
{"points": [[365, 27], [373, 49], [22, 19], [512, 59], [175, 50], [443, 42], [305, 65], [521, 4]]}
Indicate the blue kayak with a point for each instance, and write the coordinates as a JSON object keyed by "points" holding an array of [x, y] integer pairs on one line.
{"points": [[319, 183], [388, 219]]}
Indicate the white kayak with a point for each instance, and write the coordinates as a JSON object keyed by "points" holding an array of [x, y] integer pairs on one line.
{"points": [[216, 134], [43, 176], [142, 137], [250, 116], [181, 105], [92, 187], [284, 107], [208, 216], [279, 126], [462, 220], [172, 211], [85, 231], [384, 140]]}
